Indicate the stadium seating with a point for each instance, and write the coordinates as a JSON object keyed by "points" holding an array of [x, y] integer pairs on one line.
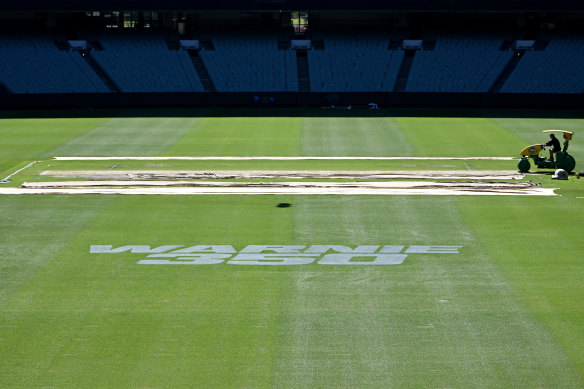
{"points": [[142, 62], [31, 63], [557, 69], [354, 62], [459, 63], [250, 62]]}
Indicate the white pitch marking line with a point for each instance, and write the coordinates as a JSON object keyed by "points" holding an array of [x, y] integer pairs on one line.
{"points": [[7, 179], [277, 191], [274, 158]]}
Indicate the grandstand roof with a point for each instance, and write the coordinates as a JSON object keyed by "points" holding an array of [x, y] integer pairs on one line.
{"points": [[244, 5]]}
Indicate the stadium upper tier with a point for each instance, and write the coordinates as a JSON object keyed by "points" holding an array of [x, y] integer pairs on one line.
{"points": [[154, 61], [354, 62], [459, 63], [31, 63], [251, 62], [557, 69], [142, 62]]}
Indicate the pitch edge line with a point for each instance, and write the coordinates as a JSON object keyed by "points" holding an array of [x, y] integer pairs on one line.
{"points": [[273, 158], [269, 191], [7, 179]]}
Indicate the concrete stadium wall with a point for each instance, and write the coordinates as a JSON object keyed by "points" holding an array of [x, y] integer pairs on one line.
{"points": [[291, 99]]}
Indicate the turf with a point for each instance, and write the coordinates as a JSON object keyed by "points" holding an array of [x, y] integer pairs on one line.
{"points": [[29, 139], [504, 312], [241, 136], [127, 137]]}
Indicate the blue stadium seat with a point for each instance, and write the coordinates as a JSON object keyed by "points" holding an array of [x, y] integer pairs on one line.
{"points": [[557, 69], [354, 62], [250, 62], [459, 63], [139, 61], [31, 63]]}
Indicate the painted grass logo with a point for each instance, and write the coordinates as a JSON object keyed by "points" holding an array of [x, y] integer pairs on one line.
{"points": [[274, 254]]}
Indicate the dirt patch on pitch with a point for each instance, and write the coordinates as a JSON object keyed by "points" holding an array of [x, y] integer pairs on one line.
{"points": [[337, 188], [370, 182], [283, 174]]}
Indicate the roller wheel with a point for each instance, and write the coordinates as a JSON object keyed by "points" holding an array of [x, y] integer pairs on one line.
{"points": [[569, 163], [523, 165]]}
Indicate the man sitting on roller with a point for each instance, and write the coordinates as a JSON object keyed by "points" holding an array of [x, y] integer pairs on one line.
{"points": [[554, 145]]}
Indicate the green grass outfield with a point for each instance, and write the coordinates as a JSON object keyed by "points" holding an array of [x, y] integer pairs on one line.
{"points": [[503, 310]]}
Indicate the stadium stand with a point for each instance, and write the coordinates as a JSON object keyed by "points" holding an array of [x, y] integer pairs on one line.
{"points": [[354, 62], [458, 63], [308, 58], [556, 68], [250, 62], [31, 63], [141, 61]]}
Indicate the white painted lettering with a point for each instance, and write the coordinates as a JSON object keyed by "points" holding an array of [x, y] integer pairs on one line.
{"points": [[275, 255], [221, 249], [194, 259], [391, 249], [272, 259], [143, 249], [377, 259], [321, 249], [288, 249], [433, 249]]}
